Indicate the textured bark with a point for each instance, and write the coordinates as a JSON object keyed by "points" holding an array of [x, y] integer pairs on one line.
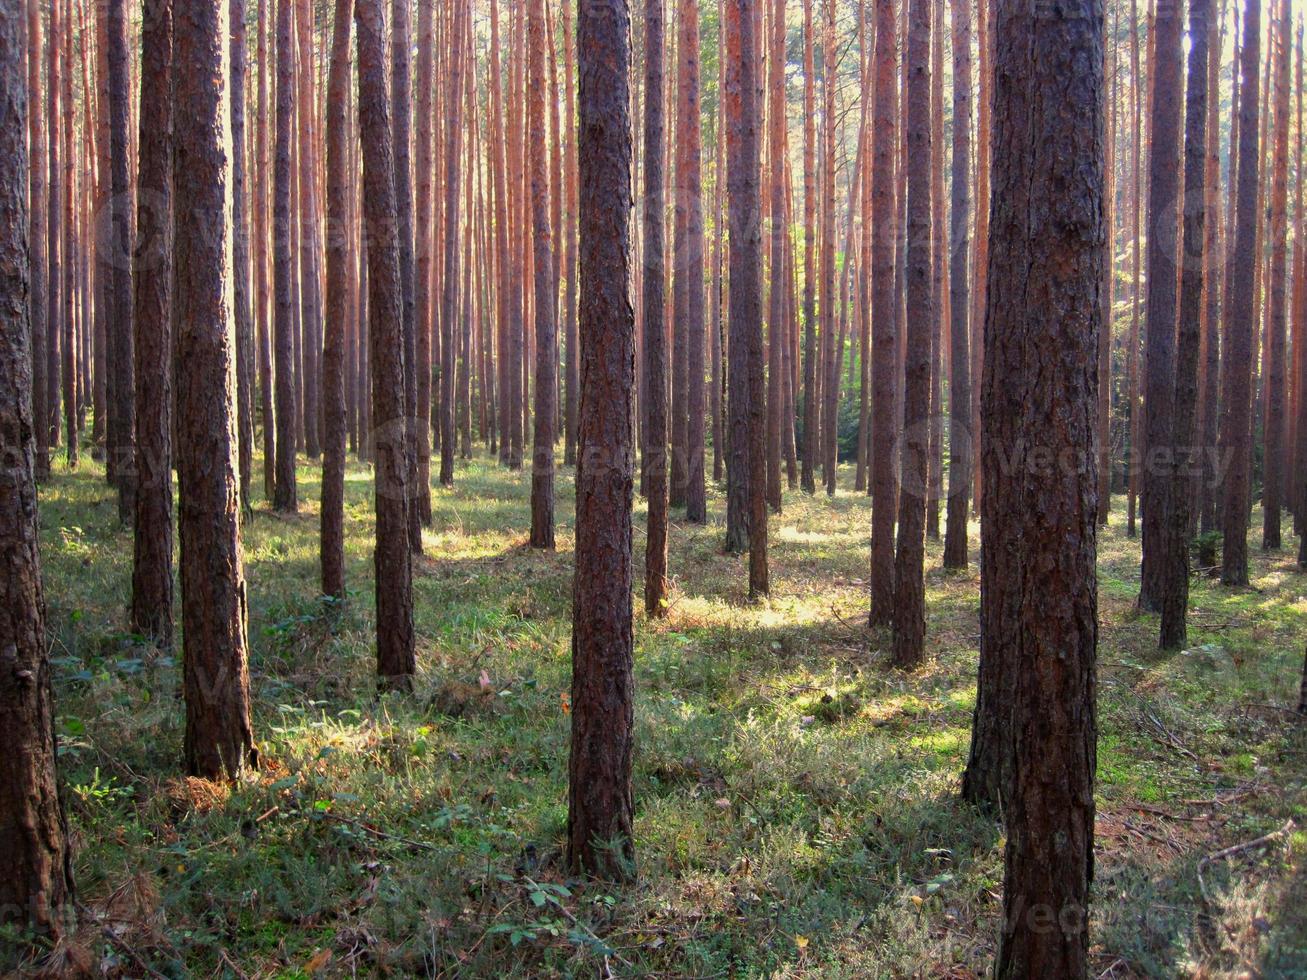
{"points": [[36, 891], [219, 740], [600, 803], [884, 338], [338, 301], [495, 150], [1136, 211], [959, 385], [1213, 260], [572, 388], [1175, 594], [689, 171], [1236, 382], [396, 660], [831, 377], [1277, 294], [261, 270], [426, 315], [243, 314], [546, 301], [811, 401], [1166, 71], [284, 493], [653, 281], [909, 578], [939, 271], [776, 323], [121, 372], [49, 418], [71, 259], [37, 196], [1033, 746], [449, 284], [152, 590]]}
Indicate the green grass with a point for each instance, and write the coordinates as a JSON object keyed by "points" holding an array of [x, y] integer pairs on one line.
{"points": [[797, 810]]}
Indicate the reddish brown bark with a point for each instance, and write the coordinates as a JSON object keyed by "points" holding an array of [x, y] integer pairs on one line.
{"points": [[811, 401], [1277, 294], [449, 299], [600, 804], [37, 195], [689, 171], [242, 313], [122, 421], [284, 493], [546, 342], [654, 458], [219, 740]]}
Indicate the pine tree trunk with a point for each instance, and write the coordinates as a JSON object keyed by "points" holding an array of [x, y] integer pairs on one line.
{"points": [[811, 402], [284, 493], [121, 378], [449, 279], [600, 802], [37, 196], [690, 175], [241, 258], [219, 740]]}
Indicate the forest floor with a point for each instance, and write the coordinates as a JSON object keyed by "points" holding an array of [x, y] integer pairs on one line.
{"points": [[797, 808]]}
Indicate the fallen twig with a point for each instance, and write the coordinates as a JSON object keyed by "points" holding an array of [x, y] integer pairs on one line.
{"points": [[379, 834], [1237, 849]]}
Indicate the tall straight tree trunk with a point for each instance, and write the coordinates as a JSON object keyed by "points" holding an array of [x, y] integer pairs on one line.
{"points": [[219, 739], [151, 612], [601, 810], [241, 258], [572, 387], [264, 163], [49, 419], [1133, 461], [1236, 382], [1159, 362], [1175, 594], [449, 283], [1034, 742], [284, 494], [37, 196], [690, 174], [426, 319], [980, 275], [653, 279], [959, 396], [811, 403], [1277, 314], [830, 382], [884, 338], [776, 325], [939, 272], [1213, 262], [396, 662], [546, 299], [36, 891], [122, 414], [70, 249], [332, 540], [909, 578]]}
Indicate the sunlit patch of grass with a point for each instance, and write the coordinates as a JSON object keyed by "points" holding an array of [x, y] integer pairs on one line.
{"points": [[797, 809]]}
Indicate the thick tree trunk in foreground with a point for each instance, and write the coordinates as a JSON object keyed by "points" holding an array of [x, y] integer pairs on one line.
{"points": [[1175, 593], [909, 581], [36, 890], [654, 457], [1033, 746], [219, 740], [1236, 381], [601, 808], [151, 614], [884, 338], [1159, 342], [546, 299], [284, 497], [396, 661], [960, 437], [338, 298]]}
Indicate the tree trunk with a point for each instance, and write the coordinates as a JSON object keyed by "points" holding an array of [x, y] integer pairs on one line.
{"points": [[36, 891], [654, 457], [284, 493], [1236, 383], [959, 386], [243, 314], [333, 368], [1033, 746], [690, 175], [830, 381], [219, 740], [37, 196], [811, 402], [909, 581], [449, 283], [151, 613], [426, 315], [600, 803], [396, 661], [122, 414]]}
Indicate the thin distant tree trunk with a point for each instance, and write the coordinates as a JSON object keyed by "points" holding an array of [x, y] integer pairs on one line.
{"points": [[776, 324], [426, 318], [655, 332], [1159, 360], [959, 396], [679, 313], [1175, 595], [396, 662], [1277, 313], [572, 387], [496, 137], [71, 260], [811, 402], [243, 314], [884, 337], [219, 739], [1236, 393], [1035, 712], [38, 198], [939, 272], [284, 494], [909, 581], [601, 808], [336, 323], [546, 399], [264, 162], [690, 175], [152, 590], [829, 426], [122, 416], [449, 284], [1133, 461], [49, 419], [1213, 263], [980, 274], [36, 891]]}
